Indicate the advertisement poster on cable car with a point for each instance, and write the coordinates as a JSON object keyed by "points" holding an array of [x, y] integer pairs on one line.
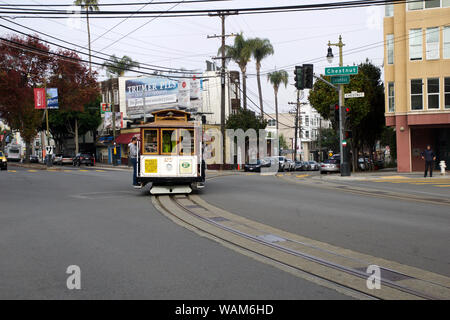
{"points": [[158, 93]]}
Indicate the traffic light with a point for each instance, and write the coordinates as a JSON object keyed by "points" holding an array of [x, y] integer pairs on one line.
{"points": [[336, 113], [308, 76], [347, 115], [299, 78], [348, 134]]}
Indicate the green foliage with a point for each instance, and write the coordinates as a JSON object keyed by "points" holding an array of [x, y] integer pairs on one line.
{"points": [[245, 119], [283, 142], [240, 52], [118, 67], [277, 78], [329, 139], [90, 5]]}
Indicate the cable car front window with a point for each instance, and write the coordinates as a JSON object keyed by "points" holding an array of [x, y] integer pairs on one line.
{"points": [[151, 141], [169, 141]]}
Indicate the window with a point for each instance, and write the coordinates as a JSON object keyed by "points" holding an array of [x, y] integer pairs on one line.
{"points": [[445, 3], [272, 123], [151, 141], [389, 10], [447, 93], [446, 42], [169, 144], [415, 5], [390, 48], [416, 94], [116, 96], [415, 44], [307, 134], [432, 43], [307, 121], [433, 93], [187, 141], [432, 4], [391, 96]]}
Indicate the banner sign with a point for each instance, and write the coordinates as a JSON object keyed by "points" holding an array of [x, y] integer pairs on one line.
{"points": [[107, 124], [158, 93], [39, 98], [52, 98]]}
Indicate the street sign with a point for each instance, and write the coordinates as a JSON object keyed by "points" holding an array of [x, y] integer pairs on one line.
{"points": [[344, 143], [354, 94], [341, 71], [105, 107], [340, 79]]}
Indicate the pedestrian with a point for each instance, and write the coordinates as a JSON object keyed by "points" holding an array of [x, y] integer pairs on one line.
{"points": [[132, 147], [429, 156]]}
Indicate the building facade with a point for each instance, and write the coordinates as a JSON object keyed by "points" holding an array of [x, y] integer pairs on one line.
{"points": [[417, 79]]}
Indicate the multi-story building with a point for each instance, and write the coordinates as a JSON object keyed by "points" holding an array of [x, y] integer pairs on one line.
{"points": [[417, 79], [310, 123]]}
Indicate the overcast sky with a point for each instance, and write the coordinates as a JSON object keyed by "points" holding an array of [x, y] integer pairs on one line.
{"points": [[299, 37]]}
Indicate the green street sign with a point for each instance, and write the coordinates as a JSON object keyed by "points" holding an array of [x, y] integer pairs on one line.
{"points": [[340, 79], [341, 71]]}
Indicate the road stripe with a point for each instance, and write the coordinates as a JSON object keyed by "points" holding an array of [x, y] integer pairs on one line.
{"points": [[32, 171]]}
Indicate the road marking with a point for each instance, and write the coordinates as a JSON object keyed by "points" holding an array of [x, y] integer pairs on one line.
{"points": [[442, 186], [32, 171], [303, 176], [100, 170], [84, 170], [12, 171]]}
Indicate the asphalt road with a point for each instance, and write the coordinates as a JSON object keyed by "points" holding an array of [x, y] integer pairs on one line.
{"points": [[412, 233], [124, 247]]}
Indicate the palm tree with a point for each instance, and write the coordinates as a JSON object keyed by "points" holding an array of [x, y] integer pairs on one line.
{"points": [[276, 78], [88, 5], [118, 67], [262, 48], [240, 52]]}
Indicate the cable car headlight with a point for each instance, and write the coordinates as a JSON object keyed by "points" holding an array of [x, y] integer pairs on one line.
{"points": [[169, 167]]}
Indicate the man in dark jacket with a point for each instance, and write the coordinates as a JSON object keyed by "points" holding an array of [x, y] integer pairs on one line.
{"points": [[429, 156]]}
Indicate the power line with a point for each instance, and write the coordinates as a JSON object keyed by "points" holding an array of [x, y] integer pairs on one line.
{"points": [[115, 4]]}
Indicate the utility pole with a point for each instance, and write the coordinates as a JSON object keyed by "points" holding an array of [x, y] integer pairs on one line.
{"points": [[298, 105], [223, 36], [113, 111]]}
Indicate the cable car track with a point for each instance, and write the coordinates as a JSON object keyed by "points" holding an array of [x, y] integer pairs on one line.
{"points": [[170, 204]]}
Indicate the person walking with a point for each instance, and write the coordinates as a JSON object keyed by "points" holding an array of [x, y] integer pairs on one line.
{"points": [[429, 157], [132, 147]]}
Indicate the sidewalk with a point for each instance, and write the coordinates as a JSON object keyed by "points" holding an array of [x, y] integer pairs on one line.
{"points": [[380, 174]]}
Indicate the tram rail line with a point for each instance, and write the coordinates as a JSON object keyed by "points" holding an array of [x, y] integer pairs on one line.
{"points": [[191, 212]]}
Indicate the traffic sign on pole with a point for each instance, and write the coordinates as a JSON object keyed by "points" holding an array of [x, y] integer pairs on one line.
{"points": [[354, 94], [340, 79], [341, 71]]}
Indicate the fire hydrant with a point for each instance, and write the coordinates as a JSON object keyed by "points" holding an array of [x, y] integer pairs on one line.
{"points": [[443, 166]]}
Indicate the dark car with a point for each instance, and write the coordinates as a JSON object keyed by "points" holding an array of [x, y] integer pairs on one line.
{"points": [[256, 167], [34, 159], [84, 158], [300, 166]]}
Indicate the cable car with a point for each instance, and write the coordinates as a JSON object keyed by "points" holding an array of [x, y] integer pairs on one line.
{"points": [[170, 153]]}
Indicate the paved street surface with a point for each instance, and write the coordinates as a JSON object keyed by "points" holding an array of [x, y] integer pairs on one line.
{"points": [[125, 248]]}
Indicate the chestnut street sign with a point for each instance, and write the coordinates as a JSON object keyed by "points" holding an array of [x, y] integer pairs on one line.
{"points": [[341, 71]]}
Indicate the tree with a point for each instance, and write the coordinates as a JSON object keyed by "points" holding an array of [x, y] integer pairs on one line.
{"points": [[261, 49], [240, 52], [118, 67], [88, 5], [276, 78], [21, 70], [77, 87]]}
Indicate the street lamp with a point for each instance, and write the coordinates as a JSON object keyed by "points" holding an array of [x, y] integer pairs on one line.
{"points": [[330, 55], [345, 167]]}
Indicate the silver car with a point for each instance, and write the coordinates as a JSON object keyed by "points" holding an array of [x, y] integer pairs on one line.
{"points": [[330, 165]]}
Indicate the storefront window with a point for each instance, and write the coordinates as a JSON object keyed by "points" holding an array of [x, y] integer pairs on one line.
{"points": [[151, 141], [169, 141], [416, 94]]}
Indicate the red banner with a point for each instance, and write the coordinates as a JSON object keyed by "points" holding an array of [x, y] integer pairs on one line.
{"points": [[40, 101]]}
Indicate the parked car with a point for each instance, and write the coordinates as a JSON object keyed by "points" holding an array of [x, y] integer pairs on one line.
{"points": [[34, 159], [83, 158], [290, 165], [3, 161], [312, 166], [256, 167], [300, 166], [330, 165], [62, 159], [282, 165]]}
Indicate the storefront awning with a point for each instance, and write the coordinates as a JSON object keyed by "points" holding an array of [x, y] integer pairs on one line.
{"points": [[125, 138]]}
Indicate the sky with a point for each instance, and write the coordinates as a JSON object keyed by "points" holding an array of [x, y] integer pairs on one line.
{"points": [[297, 37]]}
